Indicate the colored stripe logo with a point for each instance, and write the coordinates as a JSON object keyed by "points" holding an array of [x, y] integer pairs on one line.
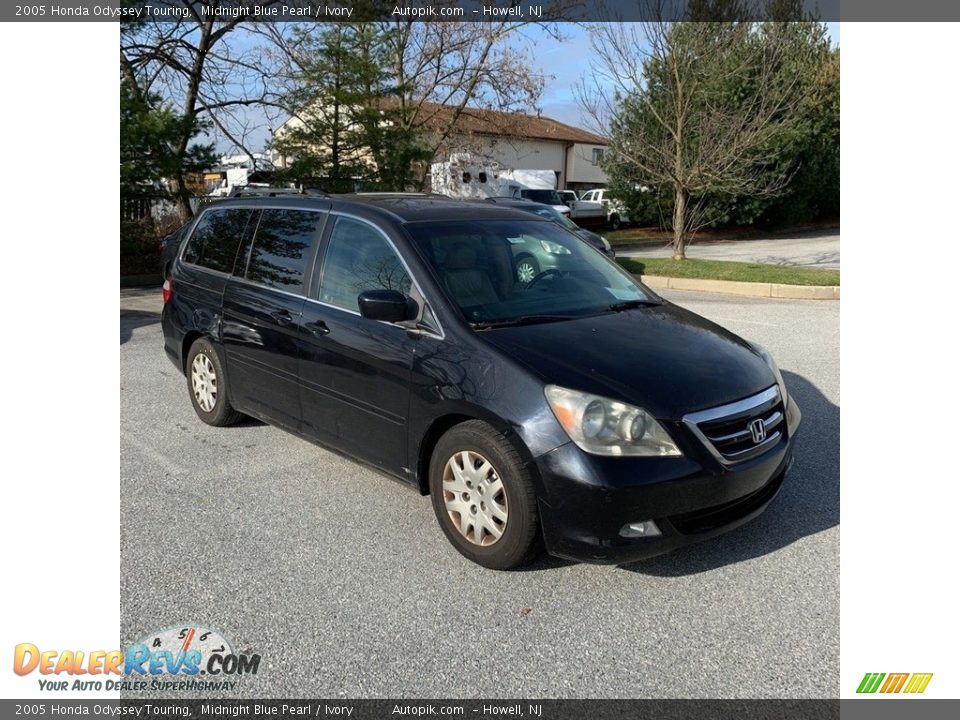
{"points": [[894, 683]]}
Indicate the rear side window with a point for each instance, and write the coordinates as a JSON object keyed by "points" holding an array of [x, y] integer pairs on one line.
{"points": [[215, 240], [281, 248], [359, 258]]}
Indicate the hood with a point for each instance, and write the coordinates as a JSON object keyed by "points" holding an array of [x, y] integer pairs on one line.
{"points": [[665, 359], [592, 238]]}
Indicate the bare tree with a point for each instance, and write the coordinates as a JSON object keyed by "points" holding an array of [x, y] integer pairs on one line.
{"points": [[663, 94], [446, 68], [442, 70], [202, 65]]}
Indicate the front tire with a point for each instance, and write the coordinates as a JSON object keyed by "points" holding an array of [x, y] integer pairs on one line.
{"points": [[527, 268], [483, 496], [207, 385]]}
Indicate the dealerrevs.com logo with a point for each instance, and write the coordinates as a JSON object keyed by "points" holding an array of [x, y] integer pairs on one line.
{"points": [[180, 658], [909, 683]]}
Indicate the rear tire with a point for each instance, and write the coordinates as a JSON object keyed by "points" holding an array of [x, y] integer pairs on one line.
{"points": [[615, 222], [207, 385], [483, 496]]}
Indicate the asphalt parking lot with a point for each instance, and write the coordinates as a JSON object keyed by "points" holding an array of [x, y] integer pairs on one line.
{"points": [[817, 249], [342, 581]]}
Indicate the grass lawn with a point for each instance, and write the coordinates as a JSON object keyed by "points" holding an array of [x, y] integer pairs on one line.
{"points": [[635, 236], [723, 270]]}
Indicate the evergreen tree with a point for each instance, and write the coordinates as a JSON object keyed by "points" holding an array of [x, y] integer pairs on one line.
{"points": [[346, 126], [150, 133]]}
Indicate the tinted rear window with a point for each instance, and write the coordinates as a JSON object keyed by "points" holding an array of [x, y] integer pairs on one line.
{"points": [[281, 248], [216, 238]]}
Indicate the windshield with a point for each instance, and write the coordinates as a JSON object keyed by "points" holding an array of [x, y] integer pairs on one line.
{"points": [[548, 197], [509, 271]]}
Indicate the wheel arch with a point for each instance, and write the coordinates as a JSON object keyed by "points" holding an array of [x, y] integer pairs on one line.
{"points": [[431, 437], [442, 424], [188, 340]]}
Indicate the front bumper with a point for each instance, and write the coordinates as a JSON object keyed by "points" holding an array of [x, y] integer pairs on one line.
{"points": [[585, 499]]}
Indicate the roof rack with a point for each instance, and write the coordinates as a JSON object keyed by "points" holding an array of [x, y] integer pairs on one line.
{"points": [[402, 195], [254, 191]]}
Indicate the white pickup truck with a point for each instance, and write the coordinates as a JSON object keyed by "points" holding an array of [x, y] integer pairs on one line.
{"points": [[614, 213], [462, 177], [583, 211], [566, 202]]}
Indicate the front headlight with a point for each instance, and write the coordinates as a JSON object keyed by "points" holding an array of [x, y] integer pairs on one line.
{"points": [[602, 426], [772, 364], [554, 248]]}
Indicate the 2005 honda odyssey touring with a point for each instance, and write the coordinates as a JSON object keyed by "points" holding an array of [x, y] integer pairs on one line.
{"points": [[575, 410]]}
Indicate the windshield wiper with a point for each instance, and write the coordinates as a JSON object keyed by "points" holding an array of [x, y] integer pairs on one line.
{"points": [[630, 304], [522, 320]]}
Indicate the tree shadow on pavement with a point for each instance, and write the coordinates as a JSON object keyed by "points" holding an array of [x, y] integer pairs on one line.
{"points": [[828, 260], [747, 234], [809, 502], [130, 320]]}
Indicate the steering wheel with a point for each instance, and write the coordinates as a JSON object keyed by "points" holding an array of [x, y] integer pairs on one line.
{"points": [[541, 275]]}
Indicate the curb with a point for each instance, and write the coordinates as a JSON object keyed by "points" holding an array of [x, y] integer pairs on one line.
{"points": [[751, 289]]}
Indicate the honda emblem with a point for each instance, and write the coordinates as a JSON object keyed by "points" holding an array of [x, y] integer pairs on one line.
{"points": [[757, 431]]}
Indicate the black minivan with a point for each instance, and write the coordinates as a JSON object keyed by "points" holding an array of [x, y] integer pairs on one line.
{"points": [[576, 411]]}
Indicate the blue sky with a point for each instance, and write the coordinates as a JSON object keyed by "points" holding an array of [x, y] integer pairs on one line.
{"points": [[568, 61]]}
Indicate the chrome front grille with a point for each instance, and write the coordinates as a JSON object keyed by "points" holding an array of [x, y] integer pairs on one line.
{"points": [[741, 430]]}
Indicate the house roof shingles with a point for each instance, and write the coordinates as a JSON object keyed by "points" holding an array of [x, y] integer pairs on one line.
{"points": [[480, 121]]}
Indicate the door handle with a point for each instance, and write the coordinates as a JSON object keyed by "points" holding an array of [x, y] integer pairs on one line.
{"points": [[282, 317], [317, 328]]}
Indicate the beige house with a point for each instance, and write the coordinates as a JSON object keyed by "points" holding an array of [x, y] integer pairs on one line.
{"points": [[515, 141], [507, 141]]}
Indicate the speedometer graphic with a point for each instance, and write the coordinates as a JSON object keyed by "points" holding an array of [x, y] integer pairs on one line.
{"points": [[175, 640]]}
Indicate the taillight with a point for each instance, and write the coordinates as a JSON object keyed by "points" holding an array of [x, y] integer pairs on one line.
{"points": [[167, 290]]}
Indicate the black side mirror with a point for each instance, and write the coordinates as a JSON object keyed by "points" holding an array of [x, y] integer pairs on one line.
{"points": [[387, 305]]}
